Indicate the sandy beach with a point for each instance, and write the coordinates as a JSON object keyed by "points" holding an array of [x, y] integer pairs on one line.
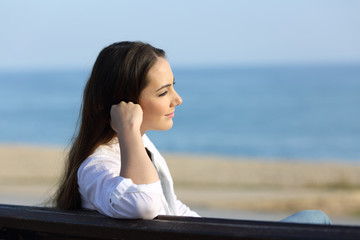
{"points": [[215, 186]]}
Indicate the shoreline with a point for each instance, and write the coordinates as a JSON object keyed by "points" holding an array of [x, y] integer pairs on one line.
{"points": [[233, 187]]}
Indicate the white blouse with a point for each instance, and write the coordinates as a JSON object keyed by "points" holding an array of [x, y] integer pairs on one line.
{"points": [[103, 189]]}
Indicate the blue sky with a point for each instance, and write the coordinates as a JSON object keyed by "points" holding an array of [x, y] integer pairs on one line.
{"points": [[70, 34]]}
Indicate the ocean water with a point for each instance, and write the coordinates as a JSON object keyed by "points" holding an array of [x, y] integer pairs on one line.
{"points": [[291, 112]]}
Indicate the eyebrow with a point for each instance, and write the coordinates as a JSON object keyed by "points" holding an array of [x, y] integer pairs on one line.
{"points": [[165, 86]]}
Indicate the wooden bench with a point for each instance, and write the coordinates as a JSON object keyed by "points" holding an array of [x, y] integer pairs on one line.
{"points": [[25, 222]]}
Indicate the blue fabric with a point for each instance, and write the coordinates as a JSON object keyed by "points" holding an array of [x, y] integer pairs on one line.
{"points": [[309, 216]]}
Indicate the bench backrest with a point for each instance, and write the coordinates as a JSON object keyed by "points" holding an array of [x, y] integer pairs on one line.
{"points": [[24, 222]]}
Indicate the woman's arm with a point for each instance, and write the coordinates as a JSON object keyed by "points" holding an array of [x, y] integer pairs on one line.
{"points": [[126, 119], [102, 189]]}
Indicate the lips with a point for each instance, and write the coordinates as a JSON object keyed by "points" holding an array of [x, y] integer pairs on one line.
{"points": [[170, 115]]}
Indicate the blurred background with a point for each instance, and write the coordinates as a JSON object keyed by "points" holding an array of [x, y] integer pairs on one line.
{"points": [[263, 82]]}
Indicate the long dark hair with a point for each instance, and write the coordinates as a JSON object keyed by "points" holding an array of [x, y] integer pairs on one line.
{"points": [[119, 74]]}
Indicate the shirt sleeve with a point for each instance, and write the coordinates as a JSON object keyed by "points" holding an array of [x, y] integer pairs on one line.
{"points": [[184, 210], [102, 187]]}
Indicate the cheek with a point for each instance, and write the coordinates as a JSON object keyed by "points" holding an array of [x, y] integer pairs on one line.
{"points": [[154, 109]]}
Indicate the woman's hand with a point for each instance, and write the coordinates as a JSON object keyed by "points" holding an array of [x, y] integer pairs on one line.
{"points": [[126, 120], [126, 116]]}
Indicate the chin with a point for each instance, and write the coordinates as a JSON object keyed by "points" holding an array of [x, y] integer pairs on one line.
{"points": [[166, 127]]}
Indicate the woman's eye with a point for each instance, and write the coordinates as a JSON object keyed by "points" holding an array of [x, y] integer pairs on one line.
{"points": [[163, 94]]}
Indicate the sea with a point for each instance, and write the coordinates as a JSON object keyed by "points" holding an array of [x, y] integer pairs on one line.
{"points": [[290, 112]]}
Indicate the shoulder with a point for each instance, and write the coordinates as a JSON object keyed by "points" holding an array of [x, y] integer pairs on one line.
{"points": [[105, 157]]}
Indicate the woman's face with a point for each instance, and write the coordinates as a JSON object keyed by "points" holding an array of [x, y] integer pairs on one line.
{"points": [[159, 98]]}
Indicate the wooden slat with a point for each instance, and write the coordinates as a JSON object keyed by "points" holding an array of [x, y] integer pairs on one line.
{"points": [[49, 223]]}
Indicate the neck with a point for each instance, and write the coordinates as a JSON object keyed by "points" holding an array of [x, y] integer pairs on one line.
{"points": [[143, 130]]}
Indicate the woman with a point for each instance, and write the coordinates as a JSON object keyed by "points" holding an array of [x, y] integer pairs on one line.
{"points": [[130, 91], [112, 166]]}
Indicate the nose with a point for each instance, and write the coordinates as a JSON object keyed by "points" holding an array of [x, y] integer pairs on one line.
{"points": [[177, 99]]}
